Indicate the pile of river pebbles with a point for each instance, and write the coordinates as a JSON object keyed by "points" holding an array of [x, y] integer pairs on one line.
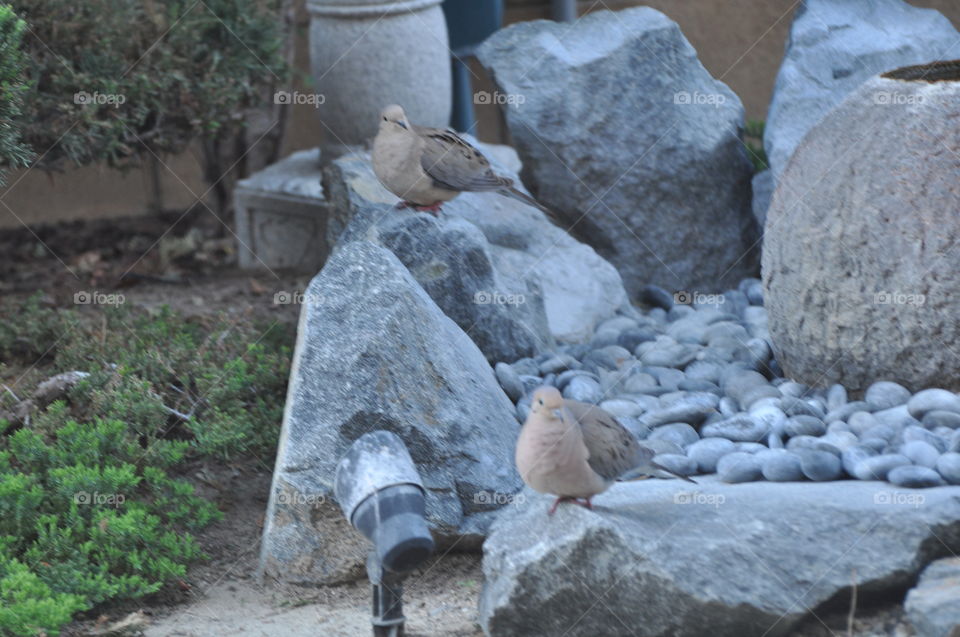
{"points": [[695, 378]]}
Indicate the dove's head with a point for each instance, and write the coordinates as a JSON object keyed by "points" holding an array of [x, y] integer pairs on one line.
{"points": [[546, 400], [392, 119]]}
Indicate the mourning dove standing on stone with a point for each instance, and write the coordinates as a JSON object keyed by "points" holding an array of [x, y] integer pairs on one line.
{"points": [[574, 450], [427, 166]]}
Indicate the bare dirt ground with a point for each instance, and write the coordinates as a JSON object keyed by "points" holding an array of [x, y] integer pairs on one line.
{"points": [[221, 596]]}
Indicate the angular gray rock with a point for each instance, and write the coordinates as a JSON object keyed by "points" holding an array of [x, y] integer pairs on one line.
{"points": [[375, 352], [834, 46], [522, 249], [625, 134], [856, 289], [932, 606], [664, 558]]}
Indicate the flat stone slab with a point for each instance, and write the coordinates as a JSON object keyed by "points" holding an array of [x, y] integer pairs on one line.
{"points": [[934, 605], [669, 558]]}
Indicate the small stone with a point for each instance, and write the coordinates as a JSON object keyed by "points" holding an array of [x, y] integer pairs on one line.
{"points": [[877, 467], [886, 432], [791, 389], [708, 451], [885, 394], [602, 338], [567, 376], [663, 446], [600, 359], [751, 447], [739, 467], [739, 428], [526, 367], [676, 355], [804, 426], [509, 380], [921, 453], [836, 397], [639, 383], [897, 416], [916, 432], [704, 370], [774, 441], [877, 444], [728, 407], [584, 389], [852, 456], [839, 439], [933, 400], [948, 466], [693, 384], [914, 477], [688, 330], [861, 421], [771, 415], [798, 443], [838, 426], [523, 410], [938, 418], [679, 432], [657, 297], [819, 466], [676, 463], [559, 363], [619, 407], [666, 376], [617, 324], [780, 465], [753, 395], [753, 289], [632, 337], [692, 409], [798, 407], [845, 411], [677, 312]]}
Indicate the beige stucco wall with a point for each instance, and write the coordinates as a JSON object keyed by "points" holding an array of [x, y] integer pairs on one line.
{"points": [[739, 41]]}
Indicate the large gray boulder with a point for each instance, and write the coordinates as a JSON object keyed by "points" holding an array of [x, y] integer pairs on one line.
{"points": [[859, 272], [836, 45], [624, 133], [498, 267], [664, 558], [375, 352], [934, 605]]}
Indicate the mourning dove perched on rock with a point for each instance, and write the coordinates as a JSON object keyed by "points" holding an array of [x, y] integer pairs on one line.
{"points": [[426, 167], [574, 450]]}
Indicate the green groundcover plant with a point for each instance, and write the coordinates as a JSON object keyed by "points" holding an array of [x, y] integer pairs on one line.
{"points": [[13, 152], [92, 507]]}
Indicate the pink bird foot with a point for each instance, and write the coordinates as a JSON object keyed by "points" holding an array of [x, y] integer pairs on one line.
{"points": [[433, 208], [586, 504]]}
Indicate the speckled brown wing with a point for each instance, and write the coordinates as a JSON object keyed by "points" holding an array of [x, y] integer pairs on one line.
{"points": [[613, 449], [455, 164]]}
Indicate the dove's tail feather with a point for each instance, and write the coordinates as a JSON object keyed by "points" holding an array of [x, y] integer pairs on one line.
{"points": [[513, 193], [660, 467]]}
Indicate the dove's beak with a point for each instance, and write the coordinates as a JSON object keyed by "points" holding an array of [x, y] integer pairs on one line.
{"points": [[403, 125]]}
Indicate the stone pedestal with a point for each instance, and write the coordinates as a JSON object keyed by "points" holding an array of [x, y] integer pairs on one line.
{"points": [[366, 54], [281, 215]]}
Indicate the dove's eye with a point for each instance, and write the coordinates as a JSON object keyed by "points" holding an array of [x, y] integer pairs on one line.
{"points": [[540, 400]]}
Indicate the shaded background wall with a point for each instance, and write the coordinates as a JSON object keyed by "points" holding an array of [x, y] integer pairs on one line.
{"points": [[739, 41]]}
